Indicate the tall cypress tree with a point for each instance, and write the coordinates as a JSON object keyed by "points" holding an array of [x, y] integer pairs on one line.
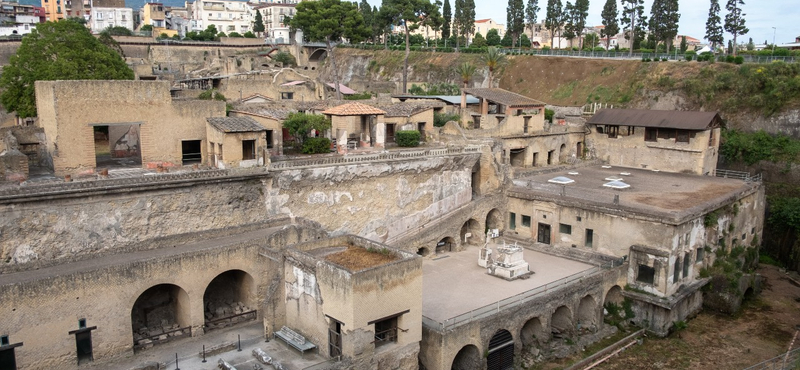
{"points": [[515, 19], [458, 17], [581, 12], [664, 19], [633, 21], [258, 24], [447, 14], [714, 26], [530, 14], [469, 18], [610, 22], [366, 12], [734, 21], [553, 18]]}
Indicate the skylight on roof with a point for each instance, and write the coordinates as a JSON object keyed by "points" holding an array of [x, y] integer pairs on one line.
{"points": [[563, 180], [572, 173], [613, 178], [605, 166], [616, 185], [625, 173]]}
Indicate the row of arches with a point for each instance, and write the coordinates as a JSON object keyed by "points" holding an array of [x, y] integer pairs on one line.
{"points": [[471, 234], [499, 354], [163, 312]]}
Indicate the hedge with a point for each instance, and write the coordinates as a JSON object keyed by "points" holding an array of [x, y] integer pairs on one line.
{"points": [[316, 145], [407, 138]]}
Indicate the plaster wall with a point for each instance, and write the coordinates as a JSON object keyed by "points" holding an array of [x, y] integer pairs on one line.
{"points": [[276, 126]]}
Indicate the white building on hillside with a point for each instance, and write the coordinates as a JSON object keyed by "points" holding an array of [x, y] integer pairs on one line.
{"points": [[103, 18], [226, 15], [483, 26], [274, 16]]}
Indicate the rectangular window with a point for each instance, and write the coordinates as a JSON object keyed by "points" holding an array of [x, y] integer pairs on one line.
{"points": [[650, 134], [526, 124], [666, 133], [526, 221], [248, 149], [4, 340], [81, 323], [711, 137], [700, 254], [512, 220], [386, 331], [287, 96], [589, 238], [683, 136], [646, 275], [269, 139], [565, 229], [676, 275]]}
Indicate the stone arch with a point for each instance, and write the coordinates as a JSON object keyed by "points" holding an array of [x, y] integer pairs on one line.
{"points": [[160, 309], [473, 228], [423, 251], [494, 219], [447, 244], [561, 321], [467, 358], [614, 295], [533, 333], [317, 55], [500, 353], [587, 313], [563, 155], [228, 295]]}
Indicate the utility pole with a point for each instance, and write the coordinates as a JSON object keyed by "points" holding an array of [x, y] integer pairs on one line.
{"points": [[774, 30]]}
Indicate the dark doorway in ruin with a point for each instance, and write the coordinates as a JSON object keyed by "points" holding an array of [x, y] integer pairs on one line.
{"points": [[543, 234], [550, 157], [471, 233], [579, 150], [8, 360], [190, 152], [587, 314], [517, 157], [229, 299], [561, 322], [423, 251], [117, 145], [476, 180], [445, 245], [494, 220], [390, 132], [335, 338], [159, 315], [468, 358], [83, 342], [562, 153], [535, 159], [501, 351], [533, 333]]}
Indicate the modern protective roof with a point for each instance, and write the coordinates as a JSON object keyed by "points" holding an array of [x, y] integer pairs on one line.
{"points": [[684, 120], [293, 83], [353, 109], [235, 124], [342, 88], [405, 109], [449, 99], [504, 97]]}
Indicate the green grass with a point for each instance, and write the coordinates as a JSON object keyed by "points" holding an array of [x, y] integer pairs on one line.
{"points": [[565, 91]]}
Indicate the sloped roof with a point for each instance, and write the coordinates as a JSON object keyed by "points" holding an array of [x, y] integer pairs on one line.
{"points": [[293, 83], [263, 110], [235, 124], [255, 96], [342, 88], [405, 109], [353, 109], [504, 97], [684, 120]]}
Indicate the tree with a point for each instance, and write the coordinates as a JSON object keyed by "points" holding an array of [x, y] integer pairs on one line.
{"points": [[493, 37], [530, 14], [366, 12], [592, 40], [64, 50], [714, 27], [478, 41], [515, 19], [610, 22], [524, 41], [330, 21], [146, 27], [258, 24], [664, 19], [734, 21], [300, 124], [457, 16], [553, 18], [411, 13], [568, 16], [633, 20], [507, 41], [247, 35], [464, 19], [465, 71], [447, 15], [750, 45], [684, 46], [580, 12], [493, 59], [118, 31]]}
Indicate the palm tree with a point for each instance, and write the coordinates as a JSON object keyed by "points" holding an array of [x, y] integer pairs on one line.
{"points": [[465, 70], [493, 59]]}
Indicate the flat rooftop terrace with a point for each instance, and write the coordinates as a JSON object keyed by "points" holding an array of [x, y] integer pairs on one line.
{"points": [[454, 284], [653, 193]]}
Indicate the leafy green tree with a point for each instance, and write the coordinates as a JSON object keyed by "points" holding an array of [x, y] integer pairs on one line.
{"points": [[734, 21], [249, 35], [524, 41], [568, 15], [235, 34], [410, 13], [714, 26], [64, 50], [610, 21], [465, 71], [478, 41], [750, 45], [531, 13], [366, 12], [118, 31], [447, 19], [285, 58], [300, 125], [580, 12], [633, 21], [258, 23], [507, 41], [330, 21], [515, 19], [493, 60], [553, 18], [591, 40], [433, 21], [464, 19], [147, 27], [664, 19], [493, 37], [684, 45]]}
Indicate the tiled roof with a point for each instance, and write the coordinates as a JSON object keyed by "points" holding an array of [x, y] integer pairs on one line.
{"points": [[685, 120], [235, 124], [504, 97], [265, 110], [405, 109], [353, 109]]}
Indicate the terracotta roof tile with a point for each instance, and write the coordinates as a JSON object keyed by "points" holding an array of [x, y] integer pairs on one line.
{"points": [[353, 109], [504, 97]]}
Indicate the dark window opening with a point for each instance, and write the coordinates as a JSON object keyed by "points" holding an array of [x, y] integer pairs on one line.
{"points": [[81, 323], [646, 275], [676, 274], [269, 139], [565, 229], [578, 218], [699, 257], [543, 235], [683, 136], [386, 331], [711, 137], [512, 221], [535, 159], [335, 338], [248, 149], [287, 96], [526, 125], [612, 131], [650, 134], [550, 157], [687, 261], [666, 133], [599, 129], [631, 130], [526, 221], [4, 340], [190, 150], [589, 238]]}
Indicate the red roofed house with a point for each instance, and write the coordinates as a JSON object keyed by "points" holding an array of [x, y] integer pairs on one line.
{"points": [[356, 125]]}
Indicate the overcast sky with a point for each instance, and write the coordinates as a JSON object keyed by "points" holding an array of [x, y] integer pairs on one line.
{"points": [[761, 16]]}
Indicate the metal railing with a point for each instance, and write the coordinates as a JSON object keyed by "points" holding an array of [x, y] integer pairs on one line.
{"points": [[367, 158], [230, 320], [507, 303], [787, 361], [739, 175]]}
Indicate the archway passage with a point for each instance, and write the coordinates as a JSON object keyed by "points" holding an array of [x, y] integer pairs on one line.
{"points": [[587, 313], [229, 299], [562, 153], [501, 351], [445, 245], [533, 333], [471, 233], [423, 251], [317, 55], [160, 314], [613, 307], [561, 323], [468, 358], [494, 220]]}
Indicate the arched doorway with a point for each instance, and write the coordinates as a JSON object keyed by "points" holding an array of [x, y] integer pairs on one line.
{"points": [[468, 358], [494, 219], [447, 244], [317, 55], [229, 299], [561, 322], [500, 354], [613, 310], [471, 233], [161, 313], [587, 314], [562, 153], [533, 333], [423, 251], [476, 179]]}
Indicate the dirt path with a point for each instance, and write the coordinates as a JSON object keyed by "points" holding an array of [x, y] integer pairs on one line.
{"points": [[761, 331]]}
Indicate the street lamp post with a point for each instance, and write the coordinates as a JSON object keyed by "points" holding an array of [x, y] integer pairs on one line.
{"points": [[774, 30]]}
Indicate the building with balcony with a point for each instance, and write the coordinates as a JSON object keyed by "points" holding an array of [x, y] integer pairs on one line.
{"points": [[18, 19], [274, 15], [110, 13], [60, 9], [226, 15]]}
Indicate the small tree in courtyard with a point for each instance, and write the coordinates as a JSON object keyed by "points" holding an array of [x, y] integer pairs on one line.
{"points": [[300, 125]]}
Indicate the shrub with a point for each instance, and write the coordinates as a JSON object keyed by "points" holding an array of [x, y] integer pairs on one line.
{"points": [[663, 59], [407, 138], [316, 145], [211, 94], [545, 48], [729, 59], [738, 60], [359, 96], [688, 57], [440, 119], [548, 115], [285, 58]]}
